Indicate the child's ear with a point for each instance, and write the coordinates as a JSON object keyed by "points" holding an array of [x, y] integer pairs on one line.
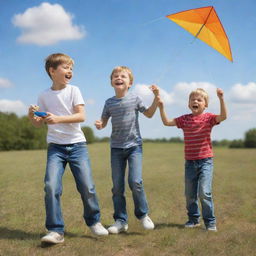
{"points": [[51, 70]]}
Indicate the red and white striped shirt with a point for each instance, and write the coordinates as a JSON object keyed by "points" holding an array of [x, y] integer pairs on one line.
{"points": [[197, 134]]}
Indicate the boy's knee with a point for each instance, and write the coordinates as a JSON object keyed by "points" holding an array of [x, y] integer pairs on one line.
{"points": [[118, 191], [51, 189], [136, 185], [204, 195]]}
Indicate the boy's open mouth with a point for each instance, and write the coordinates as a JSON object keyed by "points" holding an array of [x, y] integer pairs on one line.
{"points": [[195, 107], [68, 76]]}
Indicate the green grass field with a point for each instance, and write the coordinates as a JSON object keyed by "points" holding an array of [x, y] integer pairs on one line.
{"points": [[22, 206]]}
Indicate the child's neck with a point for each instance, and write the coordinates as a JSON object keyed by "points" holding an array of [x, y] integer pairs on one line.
{"points": [[120, 93], [57, 87]]}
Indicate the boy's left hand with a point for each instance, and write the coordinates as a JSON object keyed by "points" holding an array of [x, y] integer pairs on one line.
{"points": [[220, 93], [154, 89], [51, 118]]}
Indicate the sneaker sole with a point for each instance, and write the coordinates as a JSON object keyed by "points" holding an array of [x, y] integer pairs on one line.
{"points": [[211, 230], [49, 241], [194, 226], [123, 230]]}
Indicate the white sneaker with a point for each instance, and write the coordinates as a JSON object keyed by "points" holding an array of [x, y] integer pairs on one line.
{"points": [[98, 229], [147, 223], [212, 228], [118, 227], [53, 238]]}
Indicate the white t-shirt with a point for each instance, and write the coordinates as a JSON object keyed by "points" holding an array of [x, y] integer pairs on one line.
{"points": [[62, 103]]}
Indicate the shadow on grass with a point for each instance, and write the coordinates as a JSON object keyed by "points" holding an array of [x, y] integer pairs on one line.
{"points": [[16, 234], [168, 225], [130, 234], [6, 233]]}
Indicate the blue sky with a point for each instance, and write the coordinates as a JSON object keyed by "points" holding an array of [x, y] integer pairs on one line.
{"points": [[102, 34]]}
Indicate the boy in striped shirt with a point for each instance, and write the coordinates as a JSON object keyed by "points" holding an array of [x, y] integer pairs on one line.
{"points": [[126, 147], [197, 128]]}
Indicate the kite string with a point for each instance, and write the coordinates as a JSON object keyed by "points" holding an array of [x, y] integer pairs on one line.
{"points": [[152, 21]]}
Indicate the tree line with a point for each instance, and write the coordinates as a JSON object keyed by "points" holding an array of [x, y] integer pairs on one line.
{"points": [[17, 133]]}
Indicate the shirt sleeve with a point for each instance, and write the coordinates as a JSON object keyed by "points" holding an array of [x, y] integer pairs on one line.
{"points": [[212, 119], [105, 113], [179, 121], [140, 105], [77, 97]]}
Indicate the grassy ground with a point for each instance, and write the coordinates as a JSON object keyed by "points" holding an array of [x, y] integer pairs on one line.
{"points": [[22, 206]]}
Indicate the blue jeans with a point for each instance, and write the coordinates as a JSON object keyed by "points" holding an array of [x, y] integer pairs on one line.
{"points": [[57, 158], [119, 159], [198, 183]]}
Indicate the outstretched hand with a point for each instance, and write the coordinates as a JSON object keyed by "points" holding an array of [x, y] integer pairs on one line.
{"points": [[154, 89], [220, 93]]}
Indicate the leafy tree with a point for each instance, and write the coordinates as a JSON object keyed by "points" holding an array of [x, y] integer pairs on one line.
{"points": [[17, 133], [89, 135], [236, 144], [250, 138]]}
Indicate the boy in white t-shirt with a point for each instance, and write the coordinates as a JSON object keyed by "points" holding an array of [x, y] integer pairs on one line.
{"points": [[64, 107]]}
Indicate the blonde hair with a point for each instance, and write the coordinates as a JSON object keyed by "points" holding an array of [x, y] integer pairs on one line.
{"points": [[120, 69], [201, 92], [56, 59]]}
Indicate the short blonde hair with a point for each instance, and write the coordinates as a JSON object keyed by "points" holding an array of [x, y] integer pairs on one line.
{"points": [[203, 93], [120, 69], [56, 59]]}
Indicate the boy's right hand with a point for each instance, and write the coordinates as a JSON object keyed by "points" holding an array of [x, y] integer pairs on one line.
{"points": [[98, 124], [31, 111]]}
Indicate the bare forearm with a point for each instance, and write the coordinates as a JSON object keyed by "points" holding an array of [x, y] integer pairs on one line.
{"points": [[223, 111], [166, 121], [152, 109], [74, 118]]}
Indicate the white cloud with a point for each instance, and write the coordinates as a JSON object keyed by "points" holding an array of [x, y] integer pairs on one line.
{"points": [[5, 83], [147, 95], [243, 93], [16, 106], [47, 24], [183, 89]]}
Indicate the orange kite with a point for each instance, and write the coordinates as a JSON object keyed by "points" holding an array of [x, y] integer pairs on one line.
{"points": [[204, 24]]}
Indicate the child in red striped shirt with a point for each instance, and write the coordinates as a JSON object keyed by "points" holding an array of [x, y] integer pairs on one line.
{"points": [[197, 128]]}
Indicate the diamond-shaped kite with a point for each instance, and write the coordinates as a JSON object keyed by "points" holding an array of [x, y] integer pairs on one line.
{"points": [[204, 24]]}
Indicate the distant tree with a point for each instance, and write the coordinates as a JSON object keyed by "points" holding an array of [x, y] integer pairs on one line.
{"points": [[89, 135], [176, 140], [17, 133], [236, 144], [223, 143], [250, 138]]}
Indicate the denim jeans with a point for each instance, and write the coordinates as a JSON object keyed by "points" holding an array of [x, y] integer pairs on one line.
{"points": [[198, 183], [119, 159], [57, 158]]}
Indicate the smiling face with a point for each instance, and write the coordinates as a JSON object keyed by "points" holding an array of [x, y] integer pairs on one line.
{"points": [[62, 74], [121, 82], [59, 67]]}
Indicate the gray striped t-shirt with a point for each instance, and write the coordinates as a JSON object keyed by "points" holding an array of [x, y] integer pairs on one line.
{"points": [[124, 114]]}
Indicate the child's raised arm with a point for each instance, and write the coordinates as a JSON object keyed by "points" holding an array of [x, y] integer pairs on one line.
{"points": [[223, 110], [152, 109], [165, 120]]}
